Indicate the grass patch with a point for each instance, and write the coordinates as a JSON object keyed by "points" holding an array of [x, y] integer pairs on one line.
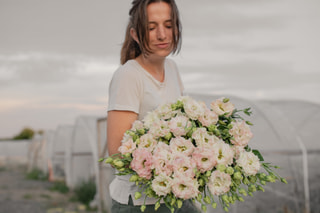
{"points": [[60, 186], [36, 174], [85, 192]]}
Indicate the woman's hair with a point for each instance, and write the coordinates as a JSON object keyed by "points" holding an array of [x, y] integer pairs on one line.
{"points": [[139, 22]]}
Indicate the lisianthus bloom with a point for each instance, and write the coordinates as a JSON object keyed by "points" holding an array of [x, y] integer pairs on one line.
{"points": [[249, 162], [137, 124], [147, 141], [237, 151], [241, 133], [183, 165], [162, 159], [185, 187], [179, 125], [220, 107], [219, 182], [142, 162], [164, 111], [192, 108], [209, 117], [150, 118], [223, 153], [127, 147], [202, 137], [204, 158], [159, 128], [180, 145], [161, 184]]}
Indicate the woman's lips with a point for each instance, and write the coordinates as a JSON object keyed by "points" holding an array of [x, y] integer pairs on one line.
{"points": [[162, 45]]}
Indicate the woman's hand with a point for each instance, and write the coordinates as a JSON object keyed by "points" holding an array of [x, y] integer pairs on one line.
{"points": [[118, 122]]}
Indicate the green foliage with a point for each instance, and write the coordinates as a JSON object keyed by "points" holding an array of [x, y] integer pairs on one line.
{"points": [[60, 186], [85, 192], [25, 134], [36, 174]]}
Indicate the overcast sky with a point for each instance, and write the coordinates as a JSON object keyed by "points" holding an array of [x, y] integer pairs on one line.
{"points": [[57, 57]]}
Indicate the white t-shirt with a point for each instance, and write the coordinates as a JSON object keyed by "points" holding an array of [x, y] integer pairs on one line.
{"points": [[132, 88]]}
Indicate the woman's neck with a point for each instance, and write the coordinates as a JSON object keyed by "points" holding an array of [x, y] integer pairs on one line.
{"points": [[154, 66]]}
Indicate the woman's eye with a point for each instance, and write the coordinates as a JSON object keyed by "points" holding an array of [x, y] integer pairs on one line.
{"points": [[169, 26]]}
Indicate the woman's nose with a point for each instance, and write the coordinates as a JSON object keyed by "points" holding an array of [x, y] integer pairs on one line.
{"points": [[161, 34]]}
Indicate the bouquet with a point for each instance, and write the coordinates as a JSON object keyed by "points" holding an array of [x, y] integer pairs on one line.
{"points": [[186, 150]]}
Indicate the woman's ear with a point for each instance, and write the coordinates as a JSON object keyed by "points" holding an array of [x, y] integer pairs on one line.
{"points": [[133, 34]]}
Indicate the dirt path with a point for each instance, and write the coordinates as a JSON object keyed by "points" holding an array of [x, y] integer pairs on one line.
{"points": [[17, 194]]}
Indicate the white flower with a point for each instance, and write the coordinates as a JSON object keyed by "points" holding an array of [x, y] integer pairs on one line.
{"points": [[208, 118], [159, 128], [205, 158], [219, 182], [185, 187], [137, 124], [241, 133], [164, 111], [147, 141], [179, 125], [249, 163], [202, 137], [150, 118], [180, 145], [220, 107], [192, 108], [224, 153], [183, 165], [127, 147], [162, 158], [161, 184]]}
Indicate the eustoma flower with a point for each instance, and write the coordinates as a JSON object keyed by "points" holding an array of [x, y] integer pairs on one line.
{"points": [[219, 182], [249, 162], [221, 107], [142, 162], [241, 133]]}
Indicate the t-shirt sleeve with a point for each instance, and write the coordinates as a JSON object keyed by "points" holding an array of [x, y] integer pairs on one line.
{"points": [[124, 91]]}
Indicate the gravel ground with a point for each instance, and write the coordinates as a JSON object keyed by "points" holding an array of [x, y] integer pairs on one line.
{"points": [[17, 194]]}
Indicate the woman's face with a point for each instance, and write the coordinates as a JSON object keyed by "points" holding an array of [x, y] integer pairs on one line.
{"points": [[160, 29]]}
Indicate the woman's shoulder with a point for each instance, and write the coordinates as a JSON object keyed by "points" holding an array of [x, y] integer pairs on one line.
{"points": [[127, 70]]}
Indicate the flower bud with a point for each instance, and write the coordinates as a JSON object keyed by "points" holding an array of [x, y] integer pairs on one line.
{"points": [[253, 179], [208, 173], [101, 159], [157, 206], [283, 180], [137, 141], [134, 178], [214, 205], [262, 175], [221, 122], [173, 201], [204, 208], [118, 163], [141, 131], [263, 182], [179, 203], [143, 208], [242, 191], [230, 170], [137, 195], [249, 123], [109, 160], [199, 197], [260, 188], [237, 176], [226, 100], [252, 188], [168, 136], [221, 167], [207, 199], [240, 199], [226, 209], [225, 198], [269, 179], [250, 194], [201, 182], [127, 155]]}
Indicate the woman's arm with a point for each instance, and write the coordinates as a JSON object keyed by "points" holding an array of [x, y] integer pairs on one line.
{"points": [[118, 122]]}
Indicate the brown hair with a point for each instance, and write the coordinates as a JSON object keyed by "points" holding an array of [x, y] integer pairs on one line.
{"points": [[139, 22]]}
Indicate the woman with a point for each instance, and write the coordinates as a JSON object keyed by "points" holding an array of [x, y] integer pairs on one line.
{"points": [[145, 80]]}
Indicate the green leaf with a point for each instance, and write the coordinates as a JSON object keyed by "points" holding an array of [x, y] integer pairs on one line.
{"points": [[258, 154]]}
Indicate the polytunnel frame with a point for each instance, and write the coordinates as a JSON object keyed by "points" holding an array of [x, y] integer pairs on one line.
{"points": [[300, 144]]}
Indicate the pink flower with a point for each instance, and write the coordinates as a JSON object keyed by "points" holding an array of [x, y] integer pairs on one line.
{"points": [[137, 124], [249, 162], [220, 107], [219, 183], [241, 133], [223, 153], [142, 162], [205, 158], [179, 125], [162, 159], [209, 117], [180, 145], [127, 147], [185, 187], [183, 165]]}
